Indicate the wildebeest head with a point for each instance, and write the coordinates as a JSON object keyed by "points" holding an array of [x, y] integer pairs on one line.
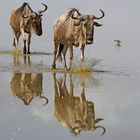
{"points": [[35, 18], [87, 21], [89, 24]]}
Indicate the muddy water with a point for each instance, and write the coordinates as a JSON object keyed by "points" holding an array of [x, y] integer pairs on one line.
{"points": [[38, 104]]}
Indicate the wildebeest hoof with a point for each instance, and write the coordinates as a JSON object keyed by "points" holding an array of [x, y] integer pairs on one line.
{"points": [[28, 52], [53, 66], [24, 52]]}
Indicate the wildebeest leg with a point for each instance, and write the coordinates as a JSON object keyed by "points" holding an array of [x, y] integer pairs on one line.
{"points": [[56, 86], [82, 85], [55, 54], [29, 41], [16, 60], [24, 40], [27, 60], [64, 92], [16, 39], [24, 49], [14, 43], [17, 36], [71, 56], [71, 86], [82, 52], [64, 57]]}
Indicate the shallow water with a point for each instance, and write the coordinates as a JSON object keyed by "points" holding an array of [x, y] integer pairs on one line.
{"points": [[38, 103], [27, 85]]}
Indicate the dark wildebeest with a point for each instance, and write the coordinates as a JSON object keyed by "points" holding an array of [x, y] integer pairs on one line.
{"points": [[25, 20], [74, 112], [73, 29]]}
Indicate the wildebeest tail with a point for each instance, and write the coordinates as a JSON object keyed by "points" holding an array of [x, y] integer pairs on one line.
{"points": [[61, 46]]}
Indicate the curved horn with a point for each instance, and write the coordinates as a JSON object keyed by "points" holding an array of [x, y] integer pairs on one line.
{"points": [[103, 14], [43, 97], [42, 11], [104, 130], [98, 120]]}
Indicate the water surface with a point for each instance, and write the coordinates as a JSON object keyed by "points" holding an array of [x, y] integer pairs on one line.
{"points": [[36, 103]]}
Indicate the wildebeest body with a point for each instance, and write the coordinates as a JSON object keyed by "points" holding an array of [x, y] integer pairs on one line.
{"points": [[25, 20], [71, 30]]}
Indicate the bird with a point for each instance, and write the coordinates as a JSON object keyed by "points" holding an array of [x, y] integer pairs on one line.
{"points": [[118, 43]]}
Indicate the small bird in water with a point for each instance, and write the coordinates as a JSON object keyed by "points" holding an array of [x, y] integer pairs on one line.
{"points": [[118, 43]]}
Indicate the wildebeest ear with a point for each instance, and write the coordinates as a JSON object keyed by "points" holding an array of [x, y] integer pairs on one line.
{"points": [[97, 24]]}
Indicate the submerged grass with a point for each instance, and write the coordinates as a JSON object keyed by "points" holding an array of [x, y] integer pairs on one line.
{"points": [[80, 67], [20, 52], [14, 52]]}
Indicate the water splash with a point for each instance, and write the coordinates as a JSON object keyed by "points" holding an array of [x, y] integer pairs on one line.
{"points": [[87, 65]]}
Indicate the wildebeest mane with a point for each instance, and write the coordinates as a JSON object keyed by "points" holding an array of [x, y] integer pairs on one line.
{"points": [[71, 11], [21, 9]]}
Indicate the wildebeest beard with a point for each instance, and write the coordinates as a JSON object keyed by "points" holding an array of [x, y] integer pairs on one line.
{"points": [[38, 28]]}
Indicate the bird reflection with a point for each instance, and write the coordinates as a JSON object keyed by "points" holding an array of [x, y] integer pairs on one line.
{"points": [[27, 86], [74, 112]]}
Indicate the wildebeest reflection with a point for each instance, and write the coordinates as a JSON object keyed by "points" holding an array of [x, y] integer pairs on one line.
{"points": [[26, 86], [74, 112], [17, 59]]}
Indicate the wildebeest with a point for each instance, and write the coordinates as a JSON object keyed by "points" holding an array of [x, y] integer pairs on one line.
{"points": [[74, 112], [73, 29], [25, 20], [27, 86]]}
